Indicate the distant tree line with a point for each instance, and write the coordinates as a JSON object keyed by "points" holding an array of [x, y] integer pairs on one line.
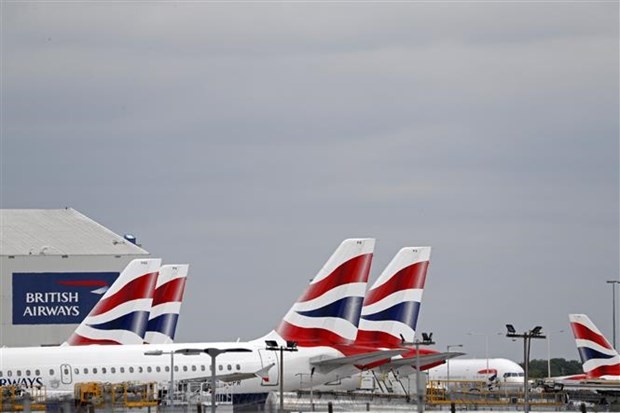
{"points": [[559, 367]]}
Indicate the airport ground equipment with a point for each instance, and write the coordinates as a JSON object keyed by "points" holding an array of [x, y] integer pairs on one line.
{"points": [[16, 398]]}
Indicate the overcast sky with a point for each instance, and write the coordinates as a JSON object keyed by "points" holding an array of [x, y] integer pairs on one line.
{"points": [[248, 139]]}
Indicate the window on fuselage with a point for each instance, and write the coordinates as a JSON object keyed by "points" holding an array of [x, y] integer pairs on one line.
{"points": [[37, 372], [203, 367], [122, 369], [176, 368], [131, 369], [9, 373], [158, 369], [167, 369], [104, 370], [85, 370], [238, 366], [149, 369], [193, 367], [19, 373], [140, 369], [51, 372], [184, 368]]}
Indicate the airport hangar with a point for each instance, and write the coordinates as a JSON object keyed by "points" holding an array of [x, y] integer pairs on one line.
{"points": [[55, 265]]}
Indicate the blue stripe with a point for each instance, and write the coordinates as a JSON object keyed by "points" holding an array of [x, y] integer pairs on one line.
{"points": [[588, 353], [348, 308], [134, 322], [165, 324], [406, 313]]}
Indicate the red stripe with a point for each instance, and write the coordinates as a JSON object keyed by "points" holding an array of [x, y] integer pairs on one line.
{"points": [[412, 276], [309, 337], [141, 287], [170, 292], [78, 340], [352, 271], [582, 332], [613, 370], [83, 283], [377, 339]]}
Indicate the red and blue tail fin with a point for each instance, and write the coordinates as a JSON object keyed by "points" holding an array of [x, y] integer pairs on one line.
{"points": [[166, 306], [600, 360], [120, 317], [392, 304], [328, 312]]}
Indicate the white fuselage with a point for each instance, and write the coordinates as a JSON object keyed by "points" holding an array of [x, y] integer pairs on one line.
{"points": [[60, 368], [506, 371]]}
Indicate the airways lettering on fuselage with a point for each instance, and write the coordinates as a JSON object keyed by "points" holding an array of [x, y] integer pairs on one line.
{"points": [[22, 381]]}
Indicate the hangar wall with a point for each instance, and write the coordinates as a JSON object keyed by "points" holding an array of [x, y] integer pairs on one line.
{"points": [[54, 266]]}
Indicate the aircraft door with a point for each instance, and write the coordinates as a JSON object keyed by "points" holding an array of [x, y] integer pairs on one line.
{"points": [[65, 374], [268, 357]]}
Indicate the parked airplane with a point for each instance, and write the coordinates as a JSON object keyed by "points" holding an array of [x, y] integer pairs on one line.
{"points": [[389, 317], [322, 321], [600, 360], [121, 315], [494, 371], [391, 309], [166, 307]]}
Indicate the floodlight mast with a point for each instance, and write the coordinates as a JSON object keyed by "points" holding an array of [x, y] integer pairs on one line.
{"points": [[272, 345], [427, 339], [527, 337]]}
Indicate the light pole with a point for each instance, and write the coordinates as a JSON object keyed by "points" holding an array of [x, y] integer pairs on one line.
{"points": [[613, 307], [185, 351], [549, 351], [272, 345], [486, 345], [301, 385], [448, 347], [527, 337], [427, 339], [213, 353], [171, 384]]}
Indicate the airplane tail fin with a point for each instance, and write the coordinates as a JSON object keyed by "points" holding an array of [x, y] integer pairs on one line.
{"points": [[328, 311], [391, 306], [600, 360], [121, 315], [166, 305]]}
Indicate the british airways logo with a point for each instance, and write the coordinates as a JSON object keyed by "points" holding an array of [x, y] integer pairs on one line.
{"points": [[57, 298], [21, 381]]}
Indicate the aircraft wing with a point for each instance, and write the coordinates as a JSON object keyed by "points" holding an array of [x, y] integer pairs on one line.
{"points": [[327, 365], [425, 359]]}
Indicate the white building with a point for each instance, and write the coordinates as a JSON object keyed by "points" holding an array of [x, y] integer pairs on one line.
{"points": [[54, 266]]}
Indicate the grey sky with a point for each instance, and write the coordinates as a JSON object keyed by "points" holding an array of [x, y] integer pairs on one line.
{"points": [[248, 139]]}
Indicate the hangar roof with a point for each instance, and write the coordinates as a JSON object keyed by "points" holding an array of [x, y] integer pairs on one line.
{"points": [[58, 232]]}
